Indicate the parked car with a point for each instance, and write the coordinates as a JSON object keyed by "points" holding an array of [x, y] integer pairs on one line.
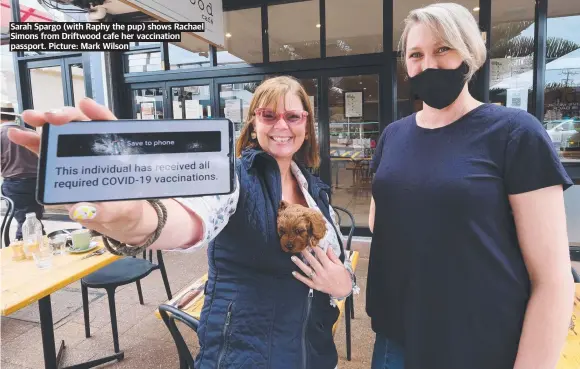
{"points": [[570, 147], [561, 132]]}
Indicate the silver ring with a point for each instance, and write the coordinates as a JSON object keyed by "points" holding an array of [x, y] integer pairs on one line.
{"points": [[312, 274]]}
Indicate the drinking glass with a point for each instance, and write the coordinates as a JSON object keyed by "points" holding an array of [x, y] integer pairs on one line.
{"points": [[57, 244], [42, 255]]}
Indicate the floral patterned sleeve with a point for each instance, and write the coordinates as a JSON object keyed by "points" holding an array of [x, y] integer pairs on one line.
{"points": [[215, 212], [347, 263]]}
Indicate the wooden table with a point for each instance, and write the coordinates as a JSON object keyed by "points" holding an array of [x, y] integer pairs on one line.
{"points": [[23, 283]]}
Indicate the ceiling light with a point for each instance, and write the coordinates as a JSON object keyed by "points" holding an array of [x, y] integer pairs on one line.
{"points": [[318, 25], [228, 35], [476, 9], [364, 88]]}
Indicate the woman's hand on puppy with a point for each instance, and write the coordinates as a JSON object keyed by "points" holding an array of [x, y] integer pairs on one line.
{"points": [[326, 273]]}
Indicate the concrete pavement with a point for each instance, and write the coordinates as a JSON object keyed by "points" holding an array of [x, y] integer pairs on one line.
{"points": [[144, 338]]}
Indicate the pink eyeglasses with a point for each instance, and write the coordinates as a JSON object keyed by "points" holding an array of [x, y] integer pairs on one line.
{"points": [[268, 116]]}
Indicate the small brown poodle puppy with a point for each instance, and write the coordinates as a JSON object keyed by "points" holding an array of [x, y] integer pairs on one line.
{"points": [[299, 227]]}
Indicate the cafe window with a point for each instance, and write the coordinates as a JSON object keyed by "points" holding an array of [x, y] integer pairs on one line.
{"points": [[294, 31], [9, 93], [562, 79], [353, 109], [512, 54], [148, 61], [190, 53], [243, 37], [344, 39]]}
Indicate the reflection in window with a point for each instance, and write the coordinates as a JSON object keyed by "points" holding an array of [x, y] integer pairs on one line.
{"points": [[344, 39], [9, 81], [194, 56], [512, 55], [191, 102], [354, 132], [143, 62], [294, 31], [235, 101], [243, 37], [148, 103], [562, 89]]}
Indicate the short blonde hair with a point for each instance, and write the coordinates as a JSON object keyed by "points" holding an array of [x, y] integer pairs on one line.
{"points": [[267, 95], [455, 26]]}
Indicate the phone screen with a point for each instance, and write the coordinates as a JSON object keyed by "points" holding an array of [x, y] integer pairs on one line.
{"points": [[135, 159]]}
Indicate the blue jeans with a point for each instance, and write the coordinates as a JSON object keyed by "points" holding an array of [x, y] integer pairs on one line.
{"points": [[22, 192], [387, 354]]}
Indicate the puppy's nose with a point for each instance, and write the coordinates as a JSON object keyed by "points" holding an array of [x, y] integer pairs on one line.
{"points": [[289, 246]]}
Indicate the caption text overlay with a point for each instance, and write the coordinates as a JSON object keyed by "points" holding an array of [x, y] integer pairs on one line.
{"points": [[89, 36]]}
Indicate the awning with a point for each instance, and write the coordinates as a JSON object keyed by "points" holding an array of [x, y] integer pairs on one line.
{"points": [[564, 70], [27, 14]]}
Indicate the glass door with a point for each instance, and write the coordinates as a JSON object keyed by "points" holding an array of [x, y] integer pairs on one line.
{"points": [[147, 101], [55, 83], [190, 99], [354, 129], [234, 97]]}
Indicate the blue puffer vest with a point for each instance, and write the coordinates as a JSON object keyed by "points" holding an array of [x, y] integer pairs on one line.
{"points": [[256, 315]]}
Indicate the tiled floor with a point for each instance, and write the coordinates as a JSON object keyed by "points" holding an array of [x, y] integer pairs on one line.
{"points": [[351, 194]]}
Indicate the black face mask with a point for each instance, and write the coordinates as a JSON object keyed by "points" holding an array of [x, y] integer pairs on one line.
{"points": [[439, 88]]}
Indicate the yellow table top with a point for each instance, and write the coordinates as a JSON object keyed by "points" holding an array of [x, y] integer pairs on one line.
{"points": [[23, 283], [571, 353]]}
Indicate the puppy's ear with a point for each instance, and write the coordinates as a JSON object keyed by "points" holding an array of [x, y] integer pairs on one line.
{"points": [[317, 223], [283, 205]]}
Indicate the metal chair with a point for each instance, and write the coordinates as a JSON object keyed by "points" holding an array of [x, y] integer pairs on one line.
{"points": [[7, 220], [575, 256], [349, 304], [121, 272], [170, 314]]}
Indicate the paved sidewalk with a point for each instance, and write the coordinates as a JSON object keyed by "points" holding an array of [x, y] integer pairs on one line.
{"points": [[144, 338]]}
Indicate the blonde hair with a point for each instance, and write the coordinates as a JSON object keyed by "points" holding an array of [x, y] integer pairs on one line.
{"points": [[267, 95], [455, 26]]}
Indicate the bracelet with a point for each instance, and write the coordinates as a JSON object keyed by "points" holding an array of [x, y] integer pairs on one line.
{"points": [[119, 248], [355, 288]]}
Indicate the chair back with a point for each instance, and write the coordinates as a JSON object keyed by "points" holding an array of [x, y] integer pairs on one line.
{"points": [[340, 210], [7, 220], [170, 314]]}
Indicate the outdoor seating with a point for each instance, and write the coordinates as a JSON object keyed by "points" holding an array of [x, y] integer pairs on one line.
{"points": [[7, 220], [186, 307], [121, 272]]}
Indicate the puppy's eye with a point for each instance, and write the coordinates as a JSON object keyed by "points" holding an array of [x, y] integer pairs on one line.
{"points": [[298, 231], [281, 231]]}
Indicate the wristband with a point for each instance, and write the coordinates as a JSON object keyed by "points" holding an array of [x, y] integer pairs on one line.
{"points": [[119, 248]]}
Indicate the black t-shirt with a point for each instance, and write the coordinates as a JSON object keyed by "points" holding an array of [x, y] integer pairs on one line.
{"points": [[446, 276]]}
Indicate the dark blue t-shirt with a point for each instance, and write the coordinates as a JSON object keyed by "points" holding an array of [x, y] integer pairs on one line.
{"points": [[446, 275]]}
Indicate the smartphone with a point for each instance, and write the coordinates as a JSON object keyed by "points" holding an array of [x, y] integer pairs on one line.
{"points": [[135, 159]]}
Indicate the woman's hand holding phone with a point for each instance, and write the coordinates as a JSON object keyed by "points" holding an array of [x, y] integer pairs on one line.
{"points": [[127, 221]]}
